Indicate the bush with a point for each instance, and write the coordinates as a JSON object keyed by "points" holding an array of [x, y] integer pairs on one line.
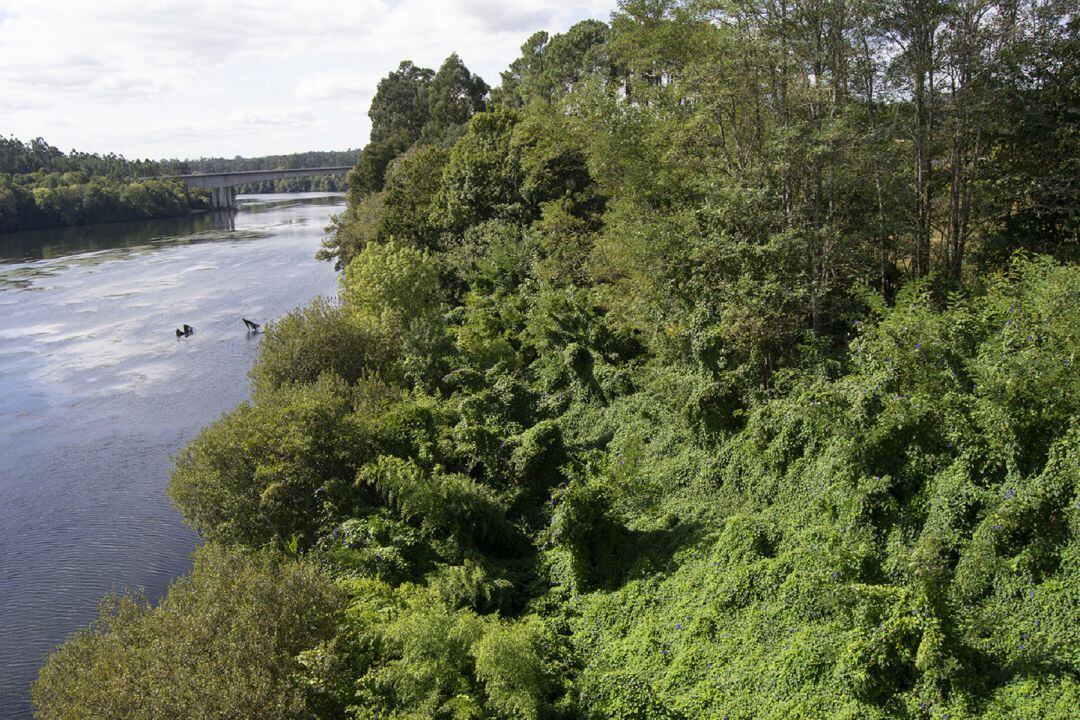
{"points": [[223, 643], [265, 472], [321, 337], [394, 291]]}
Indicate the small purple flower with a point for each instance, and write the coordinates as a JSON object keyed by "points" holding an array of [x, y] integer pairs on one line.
{"points": [[918, 346], [1010, 493]]}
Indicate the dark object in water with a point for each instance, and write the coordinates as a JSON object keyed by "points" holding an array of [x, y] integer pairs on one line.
{"points": [[251, 326], [185, 332], [179, 333]]}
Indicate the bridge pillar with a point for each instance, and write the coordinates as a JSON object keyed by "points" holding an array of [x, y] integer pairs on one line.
{"points": [[221, 198]]}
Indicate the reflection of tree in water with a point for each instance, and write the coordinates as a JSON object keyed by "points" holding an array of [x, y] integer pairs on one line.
{"points": [[54, 258], [59, 242]]}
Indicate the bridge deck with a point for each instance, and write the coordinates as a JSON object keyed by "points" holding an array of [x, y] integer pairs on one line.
{"points": [[239, 177], [221, 184]]}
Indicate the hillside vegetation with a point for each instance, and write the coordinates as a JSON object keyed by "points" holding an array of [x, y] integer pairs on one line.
{"points": [[720, 363]]}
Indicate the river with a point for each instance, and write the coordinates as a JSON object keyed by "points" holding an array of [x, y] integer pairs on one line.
{"points": [[97, 394]]}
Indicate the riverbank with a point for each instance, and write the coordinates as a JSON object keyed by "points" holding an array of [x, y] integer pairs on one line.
{"points": [[96, 394]]}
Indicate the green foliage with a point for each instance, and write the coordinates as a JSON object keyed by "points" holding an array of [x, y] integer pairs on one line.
{"points": [[39, 200], [551, 66], [41, 187], [369, 174], [900, 538], [400, 213], [510, 662], [393, 290], [481, 179], [453, 507], [455, 95], [400, 105], [263, 472], [450, 664], [411, 185], [322, 337], [224, 643]]}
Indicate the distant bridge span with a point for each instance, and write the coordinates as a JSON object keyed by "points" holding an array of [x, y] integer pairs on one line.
{"points": [[221, 184]]}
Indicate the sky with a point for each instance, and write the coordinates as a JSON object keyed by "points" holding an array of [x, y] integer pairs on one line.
{"points": [[195, 78]]}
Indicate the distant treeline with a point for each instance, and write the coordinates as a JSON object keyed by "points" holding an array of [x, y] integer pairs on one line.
{"points": [[43, 187]]}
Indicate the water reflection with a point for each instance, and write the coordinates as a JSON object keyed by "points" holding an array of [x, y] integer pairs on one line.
{"points": [[59, 242]]}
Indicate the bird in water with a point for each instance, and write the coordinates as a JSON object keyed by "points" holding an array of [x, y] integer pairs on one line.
{"points": [[185, 332], [251, 326]]}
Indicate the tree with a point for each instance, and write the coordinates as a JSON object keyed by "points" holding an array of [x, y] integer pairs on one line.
{"points": [[224, 642], [261, 474], [456, 95], [401, 104], [550, 66]]}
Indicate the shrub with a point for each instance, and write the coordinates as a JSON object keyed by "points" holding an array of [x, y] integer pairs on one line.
{"points": [[223, 643]]}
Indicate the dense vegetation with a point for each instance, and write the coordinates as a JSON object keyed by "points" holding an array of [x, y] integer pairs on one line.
{"points": [[721, 363], [41, 187]]}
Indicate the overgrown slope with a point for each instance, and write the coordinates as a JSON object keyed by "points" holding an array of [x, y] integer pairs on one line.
{"points": [[641, 400]]}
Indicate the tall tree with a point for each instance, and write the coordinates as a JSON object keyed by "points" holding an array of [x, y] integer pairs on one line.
{"points": [[401, 103], [915, 25], [456, 94]]}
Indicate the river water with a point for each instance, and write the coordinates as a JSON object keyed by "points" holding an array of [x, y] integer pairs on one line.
{"points": [[97, 393]]}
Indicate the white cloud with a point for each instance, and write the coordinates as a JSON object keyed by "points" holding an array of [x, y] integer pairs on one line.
{"points": [[177, 78], [276, 116], [326, 87]]}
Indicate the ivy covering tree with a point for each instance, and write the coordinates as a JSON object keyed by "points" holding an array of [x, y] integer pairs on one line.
{"points": [[722, 364]]}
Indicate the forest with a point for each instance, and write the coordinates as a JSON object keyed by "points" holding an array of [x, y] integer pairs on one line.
{"points": [[720, 362], [42, 187]]}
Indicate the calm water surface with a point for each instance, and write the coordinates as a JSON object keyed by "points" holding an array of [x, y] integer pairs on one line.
{"points": [[97, 393]]}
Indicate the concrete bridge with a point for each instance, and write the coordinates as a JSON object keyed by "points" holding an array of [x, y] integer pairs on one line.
{"points": [[221, 184]]}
